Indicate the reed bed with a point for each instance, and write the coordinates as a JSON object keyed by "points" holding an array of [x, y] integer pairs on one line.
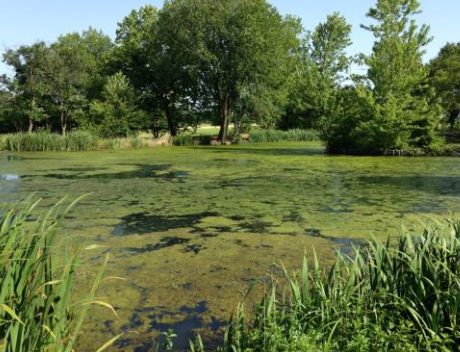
{"points": [[37, 310], [295, 135], [386, 297], [47, 142]]}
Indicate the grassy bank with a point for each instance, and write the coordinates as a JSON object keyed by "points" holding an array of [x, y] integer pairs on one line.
{"points": [[400, 297], [37, 309]]}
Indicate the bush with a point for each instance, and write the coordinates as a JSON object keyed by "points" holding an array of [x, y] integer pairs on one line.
{"points": [[295, 135]]}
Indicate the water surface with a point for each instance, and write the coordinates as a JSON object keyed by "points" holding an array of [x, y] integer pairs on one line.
{"points": [[190, 228]]}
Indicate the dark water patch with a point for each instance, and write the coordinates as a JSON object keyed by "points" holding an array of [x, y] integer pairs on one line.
{"points": [[141, 171], [165, 242], [193, 248], [313, 232], [143, 223], [208, 235], [294, 216], [256, 226], [185, 329], [237, 218]]}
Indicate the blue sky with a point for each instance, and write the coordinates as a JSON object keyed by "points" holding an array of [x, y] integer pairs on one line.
{"points": [[26, 21]]}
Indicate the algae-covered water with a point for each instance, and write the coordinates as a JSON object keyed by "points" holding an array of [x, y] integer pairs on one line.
{"points": [[188, 229]]}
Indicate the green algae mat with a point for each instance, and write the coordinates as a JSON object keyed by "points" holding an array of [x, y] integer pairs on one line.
{"points": [[189, 229]]}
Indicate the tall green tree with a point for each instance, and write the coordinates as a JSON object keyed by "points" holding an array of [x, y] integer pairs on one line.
{"points": [[404, 113], [232, 48], [30, 83], [445, 77], [322, 69], [146, 52]]}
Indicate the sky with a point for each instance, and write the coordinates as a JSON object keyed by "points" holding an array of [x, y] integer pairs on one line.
{"points": [[27, 21]]}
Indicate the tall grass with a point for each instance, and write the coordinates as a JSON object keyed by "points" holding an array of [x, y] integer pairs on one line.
{"points": [[295, 135], [387, 297], [37, 311], [45, 141]]}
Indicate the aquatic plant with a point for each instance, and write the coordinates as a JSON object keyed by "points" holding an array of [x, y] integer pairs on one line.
{"points": [[45, 141], [295, 135], [37, 309], [402, 296]]}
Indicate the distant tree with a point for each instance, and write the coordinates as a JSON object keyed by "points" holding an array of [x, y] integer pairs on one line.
{"points": [[78, 72], [321, 70], [146, 54], [31, 81], [232, 48], [445, 78], [117, 114]]}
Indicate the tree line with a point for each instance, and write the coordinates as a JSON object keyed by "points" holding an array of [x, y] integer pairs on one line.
{"points": [[239, 62]]}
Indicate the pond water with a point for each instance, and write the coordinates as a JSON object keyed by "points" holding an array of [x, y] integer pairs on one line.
{"points": [[189, 229]]}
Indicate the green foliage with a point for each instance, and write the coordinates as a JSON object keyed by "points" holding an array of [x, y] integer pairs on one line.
{"points": [[37, 310], [45, 141], [398, 107], [321, 68], [445, 78], [117, 115], [236, 50], [386, 297], [295, 135]]}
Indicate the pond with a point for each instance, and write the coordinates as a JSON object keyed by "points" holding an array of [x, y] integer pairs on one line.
{"points": [[189, 229]]}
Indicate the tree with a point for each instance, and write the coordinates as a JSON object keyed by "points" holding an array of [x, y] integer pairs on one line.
{"points": [[321, 69], [77, 72], [117, 115], [399, 108], [30, 84], [445, 78], [231, 48], [404, 114]]}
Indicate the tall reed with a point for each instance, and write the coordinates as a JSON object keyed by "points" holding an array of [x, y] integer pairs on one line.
{"points": [[37, 310], [46, 142], [295, 135], [386, 297]]}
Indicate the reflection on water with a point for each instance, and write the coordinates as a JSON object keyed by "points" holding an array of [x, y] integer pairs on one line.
{"points": [[190, 228], [9, 177]]}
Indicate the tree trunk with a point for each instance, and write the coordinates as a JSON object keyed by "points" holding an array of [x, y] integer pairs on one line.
{"points": [[31, 120], [171, 123], [63, 123], [31, 125], [223, 120], [236, 132]]}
